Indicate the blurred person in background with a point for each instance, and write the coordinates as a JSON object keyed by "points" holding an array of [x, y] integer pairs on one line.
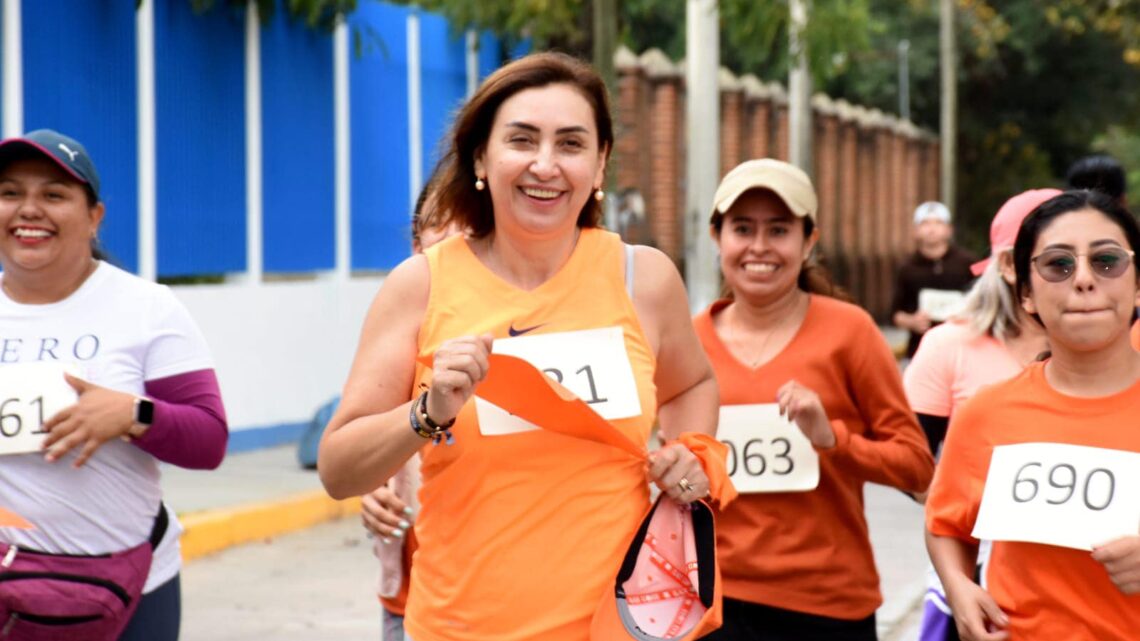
{"points": [[992, 339], [931, 282]]}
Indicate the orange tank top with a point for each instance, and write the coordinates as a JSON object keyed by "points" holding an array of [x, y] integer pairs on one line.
{"points": [[520, 533]]}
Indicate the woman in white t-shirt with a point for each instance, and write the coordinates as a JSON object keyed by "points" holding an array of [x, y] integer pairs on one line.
{"points": [[112, 375]]}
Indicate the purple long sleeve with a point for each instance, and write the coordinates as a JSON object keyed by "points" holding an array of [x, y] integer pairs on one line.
{"points": [[189, 428]]}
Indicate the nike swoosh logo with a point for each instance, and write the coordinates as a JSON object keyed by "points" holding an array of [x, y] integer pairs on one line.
{"points": [[519, 332]]}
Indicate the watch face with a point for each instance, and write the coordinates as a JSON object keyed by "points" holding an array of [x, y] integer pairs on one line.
{"points": [[144, 412]]}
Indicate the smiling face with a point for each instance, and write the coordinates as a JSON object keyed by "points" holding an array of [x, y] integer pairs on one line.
{"points": [[1086, 311], [46, 220], [542, 160], [762, 247]]}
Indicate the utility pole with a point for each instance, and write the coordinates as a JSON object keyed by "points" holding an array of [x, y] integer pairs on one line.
{"points": [[949, 144], [904, 79], [799, 88], [702, 123]]}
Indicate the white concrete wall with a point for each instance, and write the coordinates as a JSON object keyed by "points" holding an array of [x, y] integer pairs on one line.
{"points": [[281, 349]]}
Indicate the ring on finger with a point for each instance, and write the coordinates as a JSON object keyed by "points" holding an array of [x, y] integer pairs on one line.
{"points": [[685, 485]]}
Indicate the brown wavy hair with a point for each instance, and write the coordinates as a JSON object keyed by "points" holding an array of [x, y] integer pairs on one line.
{"points": [[472, 209]]}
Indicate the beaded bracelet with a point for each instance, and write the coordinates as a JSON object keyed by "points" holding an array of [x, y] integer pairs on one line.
{"points": [[433, 431]]}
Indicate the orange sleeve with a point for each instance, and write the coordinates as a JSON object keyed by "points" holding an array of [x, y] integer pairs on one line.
{"points": [[956, 493], [713, 456], [893, 451]]}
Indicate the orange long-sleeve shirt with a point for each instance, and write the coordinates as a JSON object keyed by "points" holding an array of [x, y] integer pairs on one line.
{"points": [[810, 551]]}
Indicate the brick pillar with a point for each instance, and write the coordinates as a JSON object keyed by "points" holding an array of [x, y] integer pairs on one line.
{"points": [[865, 274], [780, 98], [665, 124], [630, 137], [848, 212], [826, 156], [757, 116], [731, 121]]}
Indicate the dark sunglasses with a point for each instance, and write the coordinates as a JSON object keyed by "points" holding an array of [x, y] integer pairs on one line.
{"points": [[1056, 265]]}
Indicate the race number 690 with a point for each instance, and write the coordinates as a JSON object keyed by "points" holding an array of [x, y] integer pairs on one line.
{"points": [[1098, 486]]}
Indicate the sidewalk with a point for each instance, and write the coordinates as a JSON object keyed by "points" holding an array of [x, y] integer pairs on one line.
{"points": [[252, 496]]}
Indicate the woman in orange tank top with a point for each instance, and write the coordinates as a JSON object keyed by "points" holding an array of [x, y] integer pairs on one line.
{"points": [[521, 529]]}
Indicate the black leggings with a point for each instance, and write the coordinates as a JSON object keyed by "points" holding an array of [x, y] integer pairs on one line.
{"points": [[744, 621], [158, 616]]}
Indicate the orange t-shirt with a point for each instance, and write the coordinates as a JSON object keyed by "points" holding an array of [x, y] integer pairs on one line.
{"points": [[810, 551], [1048, 592], [521, 534]]}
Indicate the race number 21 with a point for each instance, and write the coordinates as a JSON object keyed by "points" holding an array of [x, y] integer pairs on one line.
{"points": [[1067, 495]]}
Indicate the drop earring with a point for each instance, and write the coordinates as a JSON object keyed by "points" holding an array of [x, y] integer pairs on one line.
{"points": [[480, 185], [599, 195]]}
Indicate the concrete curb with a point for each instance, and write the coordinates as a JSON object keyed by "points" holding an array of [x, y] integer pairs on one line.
{"points": [[210, 531]]}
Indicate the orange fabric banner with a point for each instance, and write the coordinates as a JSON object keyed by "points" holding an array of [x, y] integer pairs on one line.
{"points": [[11, 519]]}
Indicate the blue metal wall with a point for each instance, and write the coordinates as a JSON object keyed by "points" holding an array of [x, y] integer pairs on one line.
{"points": [[200, 98], [79, 78], [443, 82], [379, 116], [298, 147]]}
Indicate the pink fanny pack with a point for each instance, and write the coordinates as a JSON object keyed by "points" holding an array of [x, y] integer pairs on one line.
{"points": [[47, 597]]}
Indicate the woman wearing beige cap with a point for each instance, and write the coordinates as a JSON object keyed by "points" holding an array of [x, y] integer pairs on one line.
{"points": [[812, 408]]}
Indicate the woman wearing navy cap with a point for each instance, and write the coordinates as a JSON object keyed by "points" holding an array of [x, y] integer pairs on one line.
{"points": [[103, 375]]}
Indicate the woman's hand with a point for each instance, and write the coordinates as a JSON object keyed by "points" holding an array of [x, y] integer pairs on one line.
{"points": [[1121, 558], [976, 614], [802, 406], [678, 473], [457, 367], [98, 416], [384, 514]]}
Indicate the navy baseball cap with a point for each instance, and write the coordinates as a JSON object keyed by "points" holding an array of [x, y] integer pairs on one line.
{"points": [[65, 151]]}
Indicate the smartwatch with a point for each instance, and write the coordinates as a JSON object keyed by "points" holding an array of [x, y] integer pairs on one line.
{"points": [[144, 416]]}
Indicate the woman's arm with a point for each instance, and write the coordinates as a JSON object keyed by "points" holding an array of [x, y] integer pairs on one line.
{"points": [[369, 436], [894, 451], [976, 614], [687, 394], [189, 428]]}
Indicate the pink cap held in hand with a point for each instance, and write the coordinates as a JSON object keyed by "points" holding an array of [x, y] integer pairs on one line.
{"points": [[1003, 229]]}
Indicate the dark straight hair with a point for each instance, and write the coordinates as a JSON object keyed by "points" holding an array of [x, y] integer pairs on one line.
{"points": [[814, 277]]}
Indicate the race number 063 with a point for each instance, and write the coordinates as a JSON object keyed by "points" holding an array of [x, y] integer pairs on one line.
{"points": [[752, 459], [1097, 487]]}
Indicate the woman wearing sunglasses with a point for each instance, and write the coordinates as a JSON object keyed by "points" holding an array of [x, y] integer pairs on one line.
{"points": [[1076, 272]]}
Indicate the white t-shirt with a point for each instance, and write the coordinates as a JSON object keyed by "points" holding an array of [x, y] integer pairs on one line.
{"points": [[121, 331]]}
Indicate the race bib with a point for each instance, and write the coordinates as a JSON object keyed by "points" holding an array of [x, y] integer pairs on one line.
{"points": [[766, 452], [940, 304], [30, 394], [1067, 495], [591, 363]]}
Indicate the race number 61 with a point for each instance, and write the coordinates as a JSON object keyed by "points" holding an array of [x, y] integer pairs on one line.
{"points": [[15, 413]]}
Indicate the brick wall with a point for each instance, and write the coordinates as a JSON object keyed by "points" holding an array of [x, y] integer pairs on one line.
{"points": [[870, 169]]}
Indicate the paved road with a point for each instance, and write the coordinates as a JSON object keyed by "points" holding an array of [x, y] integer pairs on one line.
{"points": [[317, 584]]}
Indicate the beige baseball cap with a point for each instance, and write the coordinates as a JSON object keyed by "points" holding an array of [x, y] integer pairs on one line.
{"points": [[785, 180]]}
